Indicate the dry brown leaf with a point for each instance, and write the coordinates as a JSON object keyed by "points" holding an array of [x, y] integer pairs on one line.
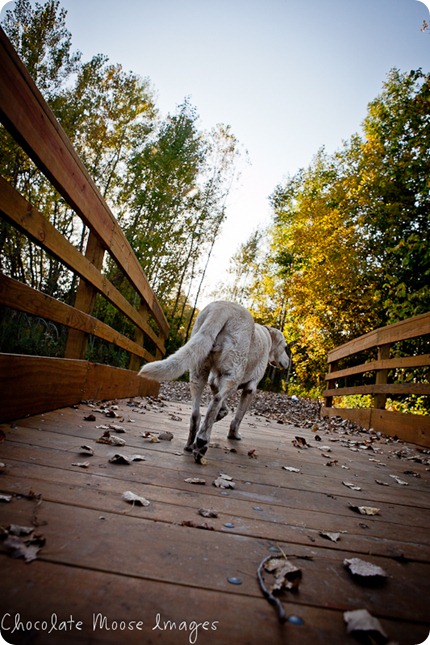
{"points": [[287, 575], [24, 548], [224, 481], [195, 480], [134, 499], [364, 569], [351, 485], [365, 510], [361, 621], [165, 436], [207, 512], [82, 464], [334, 537]]}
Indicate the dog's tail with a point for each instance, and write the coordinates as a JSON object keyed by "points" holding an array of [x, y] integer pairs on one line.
{"points": [[193, 353]]}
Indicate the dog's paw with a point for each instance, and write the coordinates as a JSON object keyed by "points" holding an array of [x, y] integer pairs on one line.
{"points": [[233, 436], [200, 449], [189, 447]]}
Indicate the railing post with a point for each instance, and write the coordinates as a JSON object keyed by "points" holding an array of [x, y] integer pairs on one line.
{"points": [[379, 400], [328, 400], [77, 341]]}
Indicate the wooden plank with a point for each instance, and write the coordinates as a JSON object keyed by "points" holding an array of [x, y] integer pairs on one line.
{"points": [[106, 382], [371, 366], [404, 330], [408, 427], [293, 526], [19, 296], [145, 555], [27, 116], [231, 618], [390, 388], [28, 219], [40, 384], [74, 538], [77, 341]]}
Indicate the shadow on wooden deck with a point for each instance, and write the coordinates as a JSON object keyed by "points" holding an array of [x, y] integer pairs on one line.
{"points": [[112, 572]]}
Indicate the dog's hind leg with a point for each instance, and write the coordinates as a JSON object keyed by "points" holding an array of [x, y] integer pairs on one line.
{"points": [[197, 385], [245, 400], [215, 407]]}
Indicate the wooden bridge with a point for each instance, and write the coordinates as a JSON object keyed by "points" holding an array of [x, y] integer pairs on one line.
{"points": [[93, 566]]}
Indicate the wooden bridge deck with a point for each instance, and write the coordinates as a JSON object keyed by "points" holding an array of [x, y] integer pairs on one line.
{"points": [[105, 561]]}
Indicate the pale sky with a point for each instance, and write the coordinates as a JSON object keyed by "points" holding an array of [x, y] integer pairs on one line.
{"points": [[288, 76]]}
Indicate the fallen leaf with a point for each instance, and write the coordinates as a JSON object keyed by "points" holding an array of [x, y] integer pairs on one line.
{"points": [[82, 464], [165, 436], [252, 454], [195, 480], [364, 510], [352, 486], [116, 428], [381, 483], [105, 438], [174, 417], [24, 548], [334, 537], [5, 498], [361, 621], [120, 459], [86, 450], [291, 469], [224, 481], [90, 417], [207, 512], [116, 441], [364, 569], [300, 442], [401, 482], [20, 531], [205, 525], [287, 575], [134, 499]]}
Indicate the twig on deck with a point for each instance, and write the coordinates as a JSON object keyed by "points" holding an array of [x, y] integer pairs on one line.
{"points": [[268, 595]]}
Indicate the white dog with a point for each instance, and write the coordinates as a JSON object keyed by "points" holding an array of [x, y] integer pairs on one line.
{"points": [[228, 350]]}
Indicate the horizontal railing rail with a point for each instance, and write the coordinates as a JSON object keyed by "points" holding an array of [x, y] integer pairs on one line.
{"points": [[28, 118], [412, 427]]}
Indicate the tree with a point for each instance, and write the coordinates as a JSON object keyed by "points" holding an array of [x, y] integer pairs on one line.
{"points": [[350, 234]]}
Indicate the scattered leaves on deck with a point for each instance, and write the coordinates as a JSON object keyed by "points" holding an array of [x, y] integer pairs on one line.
{"points": [[363, 624], [207, 512], [134, 499], [165, 436], [287, 575], [363, 569], [224, 481], [365, 510], [192, 524], [351, 485], [22, 542], [401, 482], [86, 450], [195, 480], [334, 537]]}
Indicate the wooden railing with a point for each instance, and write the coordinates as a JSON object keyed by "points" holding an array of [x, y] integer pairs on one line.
{"points": [[410, 427], [30, 384]]}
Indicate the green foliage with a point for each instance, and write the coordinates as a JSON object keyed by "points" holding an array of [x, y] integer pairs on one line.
{"points": [[349, 242]]}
